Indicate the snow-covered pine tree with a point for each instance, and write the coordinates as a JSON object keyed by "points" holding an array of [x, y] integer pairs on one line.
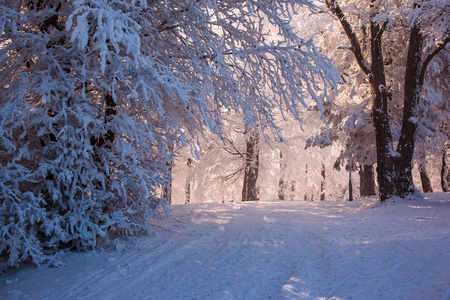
{"points": [[94, 92]]}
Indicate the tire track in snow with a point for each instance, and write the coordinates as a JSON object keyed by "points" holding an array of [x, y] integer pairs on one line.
{"points": [[232, 249]]}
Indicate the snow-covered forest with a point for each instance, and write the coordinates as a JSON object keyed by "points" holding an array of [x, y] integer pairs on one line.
{"points": [[113, 112]]}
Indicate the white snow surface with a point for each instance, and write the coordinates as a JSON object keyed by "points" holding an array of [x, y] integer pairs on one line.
{"points": [[264, 250]]}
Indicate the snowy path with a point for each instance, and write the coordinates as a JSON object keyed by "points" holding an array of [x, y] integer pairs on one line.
{"points": [[265, 250]]}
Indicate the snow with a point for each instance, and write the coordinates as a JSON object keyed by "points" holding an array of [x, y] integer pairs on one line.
{"points": [[264, 250]]}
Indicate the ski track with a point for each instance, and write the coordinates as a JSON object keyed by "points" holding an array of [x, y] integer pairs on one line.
{"points": [[265, 250]]}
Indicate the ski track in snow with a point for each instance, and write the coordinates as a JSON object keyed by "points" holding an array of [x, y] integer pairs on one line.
{"points": [[265, 250]]}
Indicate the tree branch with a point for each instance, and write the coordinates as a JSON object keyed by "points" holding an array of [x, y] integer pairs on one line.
{"points": [[430, 57], [229, 176], [356, 47], [234, 147]]}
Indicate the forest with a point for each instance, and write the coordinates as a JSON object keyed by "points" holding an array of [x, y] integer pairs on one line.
{"points": [[112, 111]]}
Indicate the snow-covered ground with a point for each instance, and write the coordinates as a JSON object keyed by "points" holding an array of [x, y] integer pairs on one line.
{"points": [[265, 250]]}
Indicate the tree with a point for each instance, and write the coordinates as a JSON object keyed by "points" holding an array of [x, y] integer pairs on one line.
{"points": [[250, 190], [425, 179], [95, 93], [282, 182], [187, 186], [322, 182], [394, 167], [367, 181], [445, 170]]}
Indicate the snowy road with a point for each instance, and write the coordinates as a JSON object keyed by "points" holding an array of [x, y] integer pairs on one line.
{"points": [[265, 250]]}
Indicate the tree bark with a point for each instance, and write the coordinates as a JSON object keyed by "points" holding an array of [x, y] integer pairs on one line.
{"points": [[306, 183], [187, 187], [426, 183], [293, 189], [350, 186], [444, 178], [250, 191], [383, 136], [104, 141], [282, 185], [167, 188], [412, 95], [367, 181], [322, 183]]}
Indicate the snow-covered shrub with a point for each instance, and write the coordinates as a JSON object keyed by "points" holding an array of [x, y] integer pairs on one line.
{"points": [[82, 154], [97, 95]]}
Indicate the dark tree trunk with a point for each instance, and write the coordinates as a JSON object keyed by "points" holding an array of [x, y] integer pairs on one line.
{"points": [[306, 183], [187, 187], [350, 186], [426, 183], [167, 187], [448, 179], [367, 181], [293, 189], [416, 66], [383, 136], [282, 185], [444, 178], [250, 191], [187, 193], [322, 183], [104, 141], [412, 94], [362, 186]]}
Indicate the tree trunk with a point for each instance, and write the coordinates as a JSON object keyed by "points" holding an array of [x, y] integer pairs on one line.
{"points": [[293, 189], [412, 94], [167, 189], [322, 183], [306, 183], [350, 186], [367, 181], [282, 185], [444, 182], [383, 136], [104, 141], [448, 178], [187, 187], [426, 183], [250, 191]]}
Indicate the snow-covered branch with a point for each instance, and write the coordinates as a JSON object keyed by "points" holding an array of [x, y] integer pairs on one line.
{"points": [[97, 96], [356, 47]]}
